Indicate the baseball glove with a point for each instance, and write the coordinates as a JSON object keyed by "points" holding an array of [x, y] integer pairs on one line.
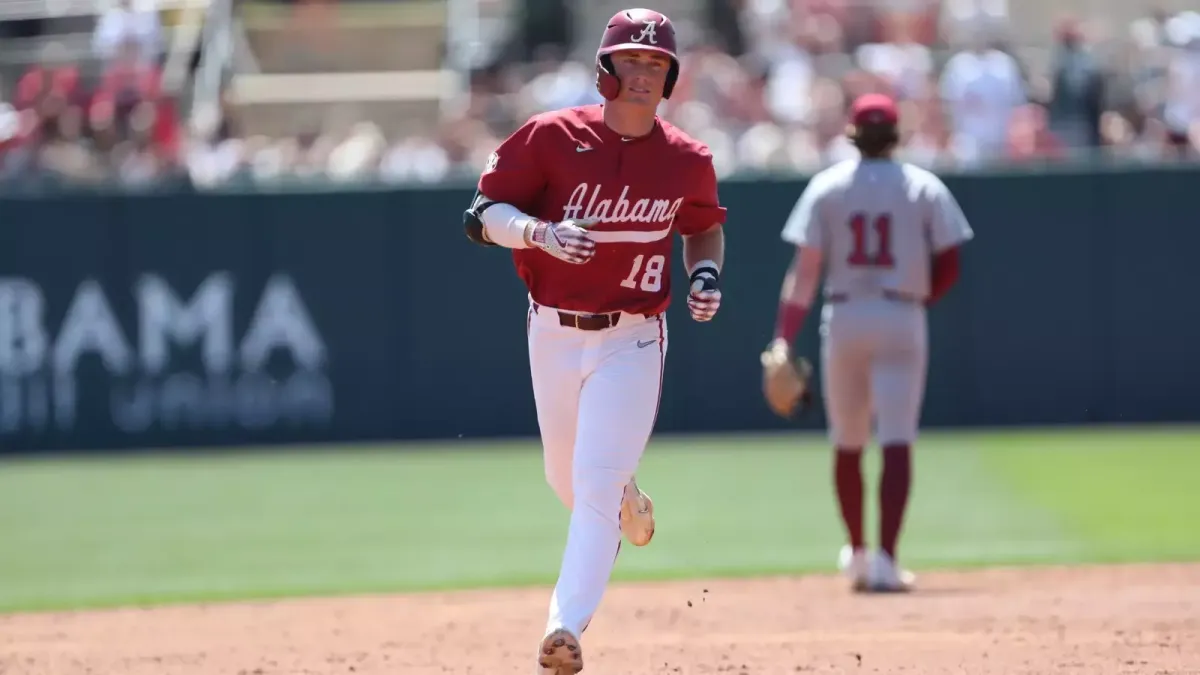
{"points": [[785, 380]]}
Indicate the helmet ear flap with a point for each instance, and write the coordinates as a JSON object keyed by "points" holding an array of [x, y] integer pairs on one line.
{"points": [[607, 82], [672, 77]]}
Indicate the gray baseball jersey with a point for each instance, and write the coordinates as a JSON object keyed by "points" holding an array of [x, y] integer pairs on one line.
{"points": [[878, 224]]}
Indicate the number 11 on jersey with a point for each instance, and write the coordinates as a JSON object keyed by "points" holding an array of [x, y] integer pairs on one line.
{"points": [[651, 277], [866, 253]]}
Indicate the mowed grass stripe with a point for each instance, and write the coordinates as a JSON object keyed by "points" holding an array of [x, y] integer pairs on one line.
{"points": [[165, 528]]}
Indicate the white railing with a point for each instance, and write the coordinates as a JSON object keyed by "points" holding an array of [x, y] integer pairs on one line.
{"points": [[463, 34], [183, 42], [475, 30], [216, 45], [463, 37]]}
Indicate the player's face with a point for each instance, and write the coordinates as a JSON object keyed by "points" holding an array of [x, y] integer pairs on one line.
{"points": [[643, 75]]}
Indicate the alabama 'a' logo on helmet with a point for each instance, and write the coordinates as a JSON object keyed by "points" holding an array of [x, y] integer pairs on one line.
{"points": [[647, 34]]}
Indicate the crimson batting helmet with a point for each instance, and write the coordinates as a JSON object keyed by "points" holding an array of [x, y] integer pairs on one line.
{"points": [[635, 29]]}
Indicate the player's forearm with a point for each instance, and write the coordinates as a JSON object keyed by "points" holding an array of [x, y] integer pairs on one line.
{"points": [[944, 272], [706, 249], [507, 226], [496, 223], [796, 295]]}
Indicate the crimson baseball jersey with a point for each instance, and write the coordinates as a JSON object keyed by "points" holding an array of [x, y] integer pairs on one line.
{"points": [[567, 164]]}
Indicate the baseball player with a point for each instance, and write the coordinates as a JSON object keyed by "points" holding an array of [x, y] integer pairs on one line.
{"points": [[888, 235], [588, 198]]}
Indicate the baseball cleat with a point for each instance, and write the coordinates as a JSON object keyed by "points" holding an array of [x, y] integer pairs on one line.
{"points": [[854, 565], [637, 515], [560, 654], [888, 577]]}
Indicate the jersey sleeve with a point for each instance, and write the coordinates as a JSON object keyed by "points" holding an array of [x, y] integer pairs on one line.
{"points": [[514, 174], [948, 223], [803, 227], [701, 210]]}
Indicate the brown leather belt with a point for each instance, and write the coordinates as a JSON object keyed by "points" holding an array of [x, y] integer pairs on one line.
{"points": [[586, 321], [895, 296]]}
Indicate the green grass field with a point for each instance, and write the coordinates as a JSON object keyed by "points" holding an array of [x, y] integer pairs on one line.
{"points": [[150, 529]]}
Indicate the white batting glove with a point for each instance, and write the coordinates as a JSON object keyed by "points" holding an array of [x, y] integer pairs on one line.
{"points": [[705, 297], [568, 241]]}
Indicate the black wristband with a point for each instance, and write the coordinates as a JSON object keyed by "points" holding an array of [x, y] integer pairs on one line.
{"points": [[707, 271], [710, 275]]}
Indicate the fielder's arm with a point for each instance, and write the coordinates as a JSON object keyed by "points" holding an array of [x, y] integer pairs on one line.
{"points": [[786, 378], [797, 294], [949, 230], [805, 230], [944, 271]]}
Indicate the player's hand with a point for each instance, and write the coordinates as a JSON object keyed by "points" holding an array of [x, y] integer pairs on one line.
{"points": [[786, 379], [568, 241], [704, 299]]}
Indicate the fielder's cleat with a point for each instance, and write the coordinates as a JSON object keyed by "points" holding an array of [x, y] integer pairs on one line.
{"points": [[637, 515], [560, 654], [854, 565], [888, 577]]}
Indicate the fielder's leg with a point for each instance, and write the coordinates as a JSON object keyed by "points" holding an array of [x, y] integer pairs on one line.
{"points": [[845, 358], [898, 382], [618, 407]]}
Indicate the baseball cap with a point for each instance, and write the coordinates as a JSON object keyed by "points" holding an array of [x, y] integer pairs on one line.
{"points": [[874, 109]]}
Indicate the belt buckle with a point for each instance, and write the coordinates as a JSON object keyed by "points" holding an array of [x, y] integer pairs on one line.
{"points": [[575, 319]]}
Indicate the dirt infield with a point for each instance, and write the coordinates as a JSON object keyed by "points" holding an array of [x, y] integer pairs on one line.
{"points": [[1129, 619]]}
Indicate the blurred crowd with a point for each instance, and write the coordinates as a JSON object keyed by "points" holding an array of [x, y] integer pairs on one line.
{"points": [[769, 91], [766, 85], [95, 120]]}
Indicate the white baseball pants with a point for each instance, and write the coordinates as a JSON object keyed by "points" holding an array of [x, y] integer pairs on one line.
{"points": [[597, 395]]}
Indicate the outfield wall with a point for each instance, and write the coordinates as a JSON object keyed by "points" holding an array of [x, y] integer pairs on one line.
{"points": [[233, 318]]}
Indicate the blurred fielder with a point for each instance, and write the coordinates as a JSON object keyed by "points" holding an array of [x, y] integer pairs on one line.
{"points": [[888, 235]]}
